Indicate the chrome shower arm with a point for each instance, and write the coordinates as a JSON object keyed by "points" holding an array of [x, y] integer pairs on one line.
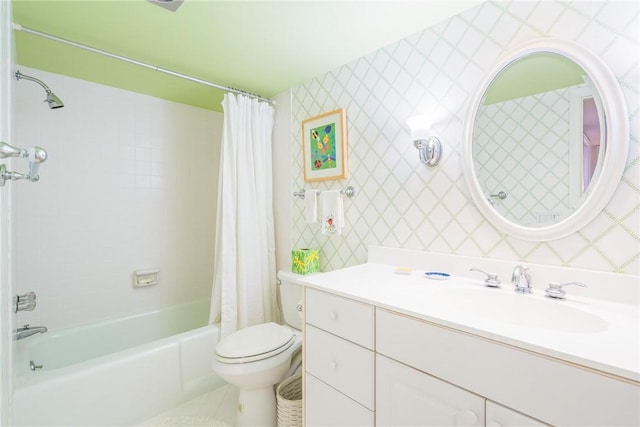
{"points": [[53, 101], [19, 76]]}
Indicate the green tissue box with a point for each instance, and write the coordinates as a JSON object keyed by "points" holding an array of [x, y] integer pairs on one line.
{"points": [[305, 261]]}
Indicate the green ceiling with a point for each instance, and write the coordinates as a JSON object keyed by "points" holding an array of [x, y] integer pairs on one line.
{"points": [[262, 47]]}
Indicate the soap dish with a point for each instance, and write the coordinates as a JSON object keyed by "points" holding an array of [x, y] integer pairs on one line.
{"points": [[436, 275]]}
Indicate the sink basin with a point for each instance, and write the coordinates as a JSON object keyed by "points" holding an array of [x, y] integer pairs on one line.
{"points": [[528, 311]]}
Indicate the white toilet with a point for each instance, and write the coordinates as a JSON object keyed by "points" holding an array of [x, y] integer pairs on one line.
{"points": [[256, 358]]}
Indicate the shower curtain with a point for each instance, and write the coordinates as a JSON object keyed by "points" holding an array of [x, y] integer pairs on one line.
{"points": [[244, 283]]}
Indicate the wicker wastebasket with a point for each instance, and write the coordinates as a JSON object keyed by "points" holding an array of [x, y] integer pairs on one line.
{"points": [[289, 399]]}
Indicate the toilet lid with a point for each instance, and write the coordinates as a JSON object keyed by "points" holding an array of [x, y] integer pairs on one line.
{"points": [[258, 340]]}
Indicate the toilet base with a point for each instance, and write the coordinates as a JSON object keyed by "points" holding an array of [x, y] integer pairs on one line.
{"points": [[257, 407]]}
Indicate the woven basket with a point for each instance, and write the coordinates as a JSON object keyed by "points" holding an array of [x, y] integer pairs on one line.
{"points": [[289, 398]]}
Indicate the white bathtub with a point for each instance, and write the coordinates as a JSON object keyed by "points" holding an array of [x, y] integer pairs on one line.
{"points": [[116, 372]]}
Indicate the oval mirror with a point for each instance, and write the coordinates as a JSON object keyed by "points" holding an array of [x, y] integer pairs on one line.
{"points": [[545, 140]]}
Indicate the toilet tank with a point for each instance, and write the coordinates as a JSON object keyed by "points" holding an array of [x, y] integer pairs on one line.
{"points": [[291, 298]]}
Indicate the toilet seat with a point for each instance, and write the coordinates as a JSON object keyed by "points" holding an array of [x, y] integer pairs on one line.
{"points": [[254, 343]]}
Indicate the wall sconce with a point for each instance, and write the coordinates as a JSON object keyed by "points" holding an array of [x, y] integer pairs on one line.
{"points": [[428, 146]]}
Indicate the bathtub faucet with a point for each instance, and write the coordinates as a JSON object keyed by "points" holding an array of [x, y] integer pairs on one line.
{"points": [[26, 331]]}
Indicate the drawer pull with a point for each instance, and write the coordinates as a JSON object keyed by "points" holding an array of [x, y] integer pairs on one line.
{"points": [[333, 315], [333, 365]]}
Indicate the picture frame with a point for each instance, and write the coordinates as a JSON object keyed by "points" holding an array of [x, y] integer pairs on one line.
{"points": [[324, 146]]}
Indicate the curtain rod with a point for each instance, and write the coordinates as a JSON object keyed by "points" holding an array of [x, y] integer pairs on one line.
{"points": [[18, 27]]}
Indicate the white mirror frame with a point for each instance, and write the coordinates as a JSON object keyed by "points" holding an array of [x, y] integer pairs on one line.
{"points": [[616, 134]]}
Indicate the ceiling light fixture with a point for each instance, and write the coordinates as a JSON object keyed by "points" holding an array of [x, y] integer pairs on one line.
{"points": [[171, 5]]}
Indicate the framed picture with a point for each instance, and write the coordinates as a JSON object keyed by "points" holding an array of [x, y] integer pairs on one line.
{"points": [[324, 146]]}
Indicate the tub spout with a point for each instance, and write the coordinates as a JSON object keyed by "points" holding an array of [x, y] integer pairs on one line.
{"points": [[26, 331]]}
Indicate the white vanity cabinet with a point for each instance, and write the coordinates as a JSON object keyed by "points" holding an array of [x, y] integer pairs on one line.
{"points": [[339, 361], [407, 397], [372, 366], [542, 388]]}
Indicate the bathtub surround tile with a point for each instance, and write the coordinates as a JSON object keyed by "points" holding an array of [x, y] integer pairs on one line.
{"points": [[121, 190], [401, 203]]}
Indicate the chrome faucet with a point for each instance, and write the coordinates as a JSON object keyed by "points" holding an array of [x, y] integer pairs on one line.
{"points": [[521, 278], [26, 331]]}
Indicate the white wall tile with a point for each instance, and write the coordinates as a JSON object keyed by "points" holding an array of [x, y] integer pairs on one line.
{"points": [[119, 192]]}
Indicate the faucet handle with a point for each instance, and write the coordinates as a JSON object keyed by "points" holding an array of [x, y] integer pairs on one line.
{"points": [[7, 150], [556, 290], [491, 280]]}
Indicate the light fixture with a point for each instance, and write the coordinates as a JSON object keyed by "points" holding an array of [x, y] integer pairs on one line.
{"points": [[171, 5], [428, 146]]}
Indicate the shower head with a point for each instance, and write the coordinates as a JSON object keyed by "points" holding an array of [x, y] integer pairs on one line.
{"points": [[52, 99]]}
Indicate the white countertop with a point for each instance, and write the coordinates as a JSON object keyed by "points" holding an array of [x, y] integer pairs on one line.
{"points": [[610, 343]]}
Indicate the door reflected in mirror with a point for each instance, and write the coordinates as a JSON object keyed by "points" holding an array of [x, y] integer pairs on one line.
{"points": [[590, 141]]}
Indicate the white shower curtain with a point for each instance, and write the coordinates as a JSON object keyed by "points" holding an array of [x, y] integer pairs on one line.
{"points": [[244, 283]]}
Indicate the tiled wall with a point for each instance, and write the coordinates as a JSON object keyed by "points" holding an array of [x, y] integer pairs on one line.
{"points": [[402, 203], [130, 183]]}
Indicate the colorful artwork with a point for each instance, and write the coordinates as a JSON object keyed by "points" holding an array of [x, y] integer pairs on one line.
{"points": [[323, 147]]}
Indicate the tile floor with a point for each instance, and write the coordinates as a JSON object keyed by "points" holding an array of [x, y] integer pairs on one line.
{"points": [[216, 408]]}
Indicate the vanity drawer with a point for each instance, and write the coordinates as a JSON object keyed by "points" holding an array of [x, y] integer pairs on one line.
{"points": [[347, 318], [343, 365]]}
